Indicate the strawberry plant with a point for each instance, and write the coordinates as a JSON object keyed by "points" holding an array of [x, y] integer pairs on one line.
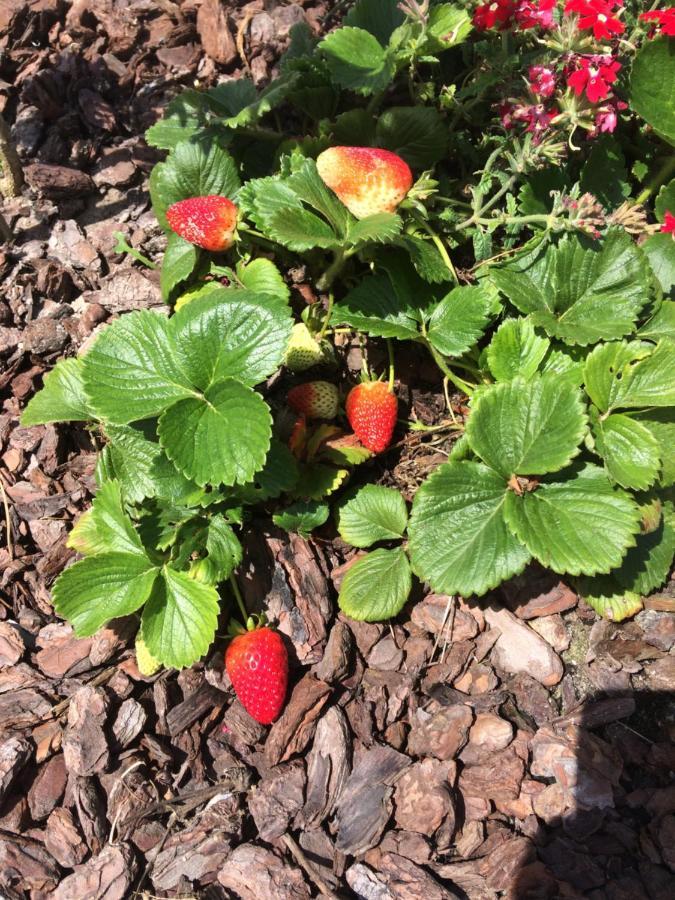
{"points": [[490, 184]]}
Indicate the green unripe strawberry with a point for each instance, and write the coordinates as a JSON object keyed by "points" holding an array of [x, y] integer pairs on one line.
{"points": [[303, 350], [146, 662]]}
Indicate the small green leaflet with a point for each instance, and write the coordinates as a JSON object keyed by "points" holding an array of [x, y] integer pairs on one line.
{"points": [[460, 319], [580, 526], [459, 542], [579, 291], [658, 249], [652, 86], [662, 323], [606, 369], [630, 451], [220, 438], [608, 598], [647, 565], [105, 527], [374, 307], [380, 17], [179, 618], [651, 381], [357, 61], [223, 548], [527, 427], [375, 513], [377, 586], [516, 350], [661, 424], [180, 259], [302, 517], [62, 398]]}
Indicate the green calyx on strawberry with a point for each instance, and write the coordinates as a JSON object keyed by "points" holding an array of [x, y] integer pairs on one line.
{"points": [[372, 409], [257, 663], [315, 400], [209, 222]]}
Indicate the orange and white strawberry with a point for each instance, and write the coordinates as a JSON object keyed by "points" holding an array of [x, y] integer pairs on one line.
{"points": [[367, 180], [371, 409], [257, 663], [315, 400], [209, 222]]}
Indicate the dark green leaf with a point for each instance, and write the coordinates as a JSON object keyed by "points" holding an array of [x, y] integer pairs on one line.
{"points": [[62, 398]]}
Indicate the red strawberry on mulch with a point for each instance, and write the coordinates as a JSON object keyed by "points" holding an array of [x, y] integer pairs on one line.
{"points": [[372, 409], [257, 663], [365, 179], [208, 222], [315, 400]]}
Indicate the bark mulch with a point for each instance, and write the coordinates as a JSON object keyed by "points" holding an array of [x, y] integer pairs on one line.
{"points": [[517, 747]]}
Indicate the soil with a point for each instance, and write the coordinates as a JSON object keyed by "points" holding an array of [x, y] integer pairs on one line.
{"points": [[518, 746]]}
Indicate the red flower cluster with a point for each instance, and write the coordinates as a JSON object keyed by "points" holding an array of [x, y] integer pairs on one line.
{"points": [[494, 15], [525, 13], [542, 81], [536, 118], [668, 226], [594, 76], [664, 18], [598, 16], [535, 13]]}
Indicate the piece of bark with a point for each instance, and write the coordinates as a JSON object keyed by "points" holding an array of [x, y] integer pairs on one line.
{"points": [[64, 840], [277, 799], [58, 182], [62, 653], [12, 646], [194, 707], [488, 734], [195, 853], [108, 876], [422, 797], [90, 811], [129, 722], [520, 649], [552, 629], [337, 657], [498, 779], [435, 615], [22, 709], [215, 33], [466, 877], [441, 735], [47, 787], [328, 767], [573, 865], [253, 872], [529, 596], [126, 290], [452, 666], [14, 754], [291, 733], [364, 806], [26, 866], [85, 747], [321, 850], [658, 628], [239, 726], [407, 881], [596, 713]]}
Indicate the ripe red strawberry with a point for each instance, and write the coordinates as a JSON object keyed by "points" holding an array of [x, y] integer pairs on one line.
{"points": [[371, 409], [257, 663], [315, 400], [208, 222], [365, 179]]}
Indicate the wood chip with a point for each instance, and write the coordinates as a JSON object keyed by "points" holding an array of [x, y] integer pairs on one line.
{"points": [[291, 733], [252, 872], [328, 767]]}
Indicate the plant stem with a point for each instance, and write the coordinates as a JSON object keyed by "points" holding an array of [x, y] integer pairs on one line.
{"points": [[441, 248], [326, 320], [390, 353], [655, 183], [237, 596], [476, 217], [447, 371], [518, 220], [340, 257]]}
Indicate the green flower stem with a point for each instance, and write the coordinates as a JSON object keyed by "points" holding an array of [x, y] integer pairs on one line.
{"points": [[255, 235], [237, 596], [547, 218], [476, 218], [447, 371], [340, 257], [390, 353], [663, 174], [326, 320]]}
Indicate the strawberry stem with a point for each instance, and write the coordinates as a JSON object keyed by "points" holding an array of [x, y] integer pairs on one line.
{"points": [[447, 371], [390, 352], [237, 596], [326, 319], [440, 246]]}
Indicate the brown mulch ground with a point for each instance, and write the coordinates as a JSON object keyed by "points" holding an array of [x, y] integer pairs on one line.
{"points": [[517, 747]]}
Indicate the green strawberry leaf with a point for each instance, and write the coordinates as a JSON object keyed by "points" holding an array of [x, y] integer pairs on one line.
{"points": [[661, 424], [447, 26], [578, 290], [62, 398], [308, 185], [193, 169], [665, 200], [180, 260], [417, 133], [608, 598], [141, 467], [268, 99], [580, 526], [375, 513], [357, 61], [651, 381], [105, 527], [103, 587], [278, 476], [527, 427], [377, 586], [647, 565], [427, 260], [459, 542], [381, 228], [606, 370], [652, 86], [302, 517], [131, 372], [317, 481], [460, 319], [658, 249], [604, 174], [380, 17], [300, 230], [662, 323], [566, 362], [516, 350], [630, 451], [223, 548], [184, 118], [220, 438], [231, 333], [179, 619], [375, 308], [261, 276]]}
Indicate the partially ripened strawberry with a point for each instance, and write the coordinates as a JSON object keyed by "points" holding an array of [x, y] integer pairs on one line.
{"points": [[315, 400], [208, 222], [371, 409], [303, 350], [365, 179], [257, 663]]}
